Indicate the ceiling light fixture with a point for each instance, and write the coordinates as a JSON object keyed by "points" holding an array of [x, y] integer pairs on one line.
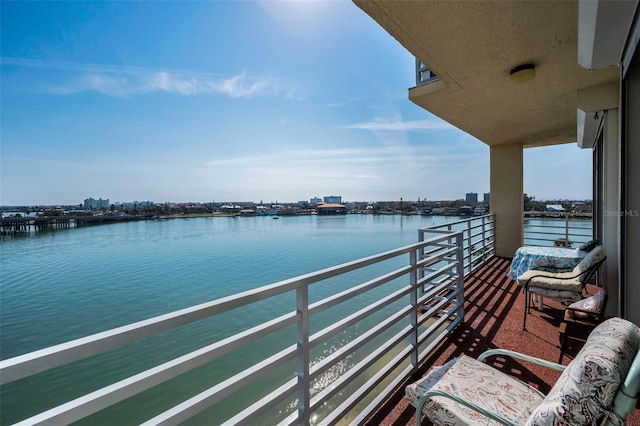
{"points": [[522, 73]]}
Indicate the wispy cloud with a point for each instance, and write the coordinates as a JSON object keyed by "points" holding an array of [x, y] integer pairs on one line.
{"points": [[342, 103], [400, 125], [127, 81], [322, 158]]}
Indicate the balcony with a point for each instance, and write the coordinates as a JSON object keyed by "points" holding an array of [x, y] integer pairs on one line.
{"points": [[493, 319], [424, 74], [335, 344], [341, 346]]}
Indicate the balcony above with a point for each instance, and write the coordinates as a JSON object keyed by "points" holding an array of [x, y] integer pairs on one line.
{"points": [[473, 46]]}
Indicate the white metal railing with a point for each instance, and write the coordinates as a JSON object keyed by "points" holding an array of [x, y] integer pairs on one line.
{"points": [[395, 307], [560, 232], [478, 236]]}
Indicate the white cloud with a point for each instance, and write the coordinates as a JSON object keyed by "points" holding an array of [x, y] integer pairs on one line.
{"points": [[399, 125], [126, 81], [319, 159]]}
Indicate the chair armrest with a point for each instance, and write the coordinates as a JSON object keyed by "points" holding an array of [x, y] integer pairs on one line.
{"points": [[586, 311], [627, 397], [465, 402], [524, 357], [555, 268]]}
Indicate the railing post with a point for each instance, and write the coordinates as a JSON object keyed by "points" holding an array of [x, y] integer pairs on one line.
{"points": [[304, 396], [484, 239], [566, 229], [460, 269], [421, 253], [469, 245], [413, 280]]}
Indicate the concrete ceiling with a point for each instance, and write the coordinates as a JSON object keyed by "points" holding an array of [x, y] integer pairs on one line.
{"points": [[473, 45]]}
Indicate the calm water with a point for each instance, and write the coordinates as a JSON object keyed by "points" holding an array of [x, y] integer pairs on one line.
{"points": [[61, 285], [65, 284]]}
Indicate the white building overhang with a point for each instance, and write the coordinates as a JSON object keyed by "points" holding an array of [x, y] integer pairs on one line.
{"points": [[603, 31]]}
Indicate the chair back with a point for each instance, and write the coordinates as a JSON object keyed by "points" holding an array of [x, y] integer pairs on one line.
{"points": [[590, 386], [588, 246], [588, 266]]}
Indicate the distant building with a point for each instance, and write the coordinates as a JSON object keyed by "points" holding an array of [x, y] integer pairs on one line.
{"points": [[332, 199], [91, 204], [331, 209], [465, 210], [584, 209], [315, 200], [554, 208], [471, 198], [486, 197]]}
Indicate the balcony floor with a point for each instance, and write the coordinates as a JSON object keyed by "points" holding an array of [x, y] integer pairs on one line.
{"points": [[493, 319]]}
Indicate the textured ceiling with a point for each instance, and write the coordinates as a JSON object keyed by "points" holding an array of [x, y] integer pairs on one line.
{"points": [[473, 45]]}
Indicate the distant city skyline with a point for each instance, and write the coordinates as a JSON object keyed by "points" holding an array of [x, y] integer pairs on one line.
{"points": [[230, 101], [314, 200]]}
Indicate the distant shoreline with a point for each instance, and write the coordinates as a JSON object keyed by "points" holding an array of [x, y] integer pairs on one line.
{"points": [[13, 226]]}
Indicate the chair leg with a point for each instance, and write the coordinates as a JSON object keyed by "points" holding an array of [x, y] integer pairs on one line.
{"points": [[526, 308], [563, 340]]}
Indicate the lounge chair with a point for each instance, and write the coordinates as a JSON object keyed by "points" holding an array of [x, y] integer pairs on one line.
{"points": [[562, 286], [600, 386]]}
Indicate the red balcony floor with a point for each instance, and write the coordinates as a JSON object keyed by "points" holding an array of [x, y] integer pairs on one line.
{"points": [[493, 319]]}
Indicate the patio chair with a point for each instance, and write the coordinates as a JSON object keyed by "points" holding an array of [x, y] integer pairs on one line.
{"points": [[588, 246], [562, 286], [466, 391], [580, 318]]}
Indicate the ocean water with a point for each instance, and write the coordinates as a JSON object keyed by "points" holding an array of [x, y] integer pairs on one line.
{"points": [[64, 284]]}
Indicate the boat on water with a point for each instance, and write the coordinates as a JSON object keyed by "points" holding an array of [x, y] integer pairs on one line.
{"points": [[465, 211], [479, 211]]}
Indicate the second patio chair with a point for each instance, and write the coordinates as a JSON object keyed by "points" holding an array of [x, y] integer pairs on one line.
{"points": [[580, 318], [562, 286]]}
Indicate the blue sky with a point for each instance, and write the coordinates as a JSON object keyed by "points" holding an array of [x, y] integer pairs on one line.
{"points": [[229, 101]]}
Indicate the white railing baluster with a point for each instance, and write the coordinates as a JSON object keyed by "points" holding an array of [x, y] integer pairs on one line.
{"points": [[460, 281], [413, 280], [304, 396]]}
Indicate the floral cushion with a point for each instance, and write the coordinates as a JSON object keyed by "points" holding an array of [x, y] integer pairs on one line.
{"points": [[588, 246], [557, 280], [564, 295], [586, 308], [596, 255], [586, 389], [476, 382]]}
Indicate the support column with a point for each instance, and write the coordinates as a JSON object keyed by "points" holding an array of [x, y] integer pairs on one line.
{"points": [[507, 197], [610, 205], [605, 99], [631, 192]]}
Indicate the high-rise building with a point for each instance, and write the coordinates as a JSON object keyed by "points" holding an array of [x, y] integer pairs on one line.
{"points": [[90, 204], [333, 199], [472, 198], [486, 197]]}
